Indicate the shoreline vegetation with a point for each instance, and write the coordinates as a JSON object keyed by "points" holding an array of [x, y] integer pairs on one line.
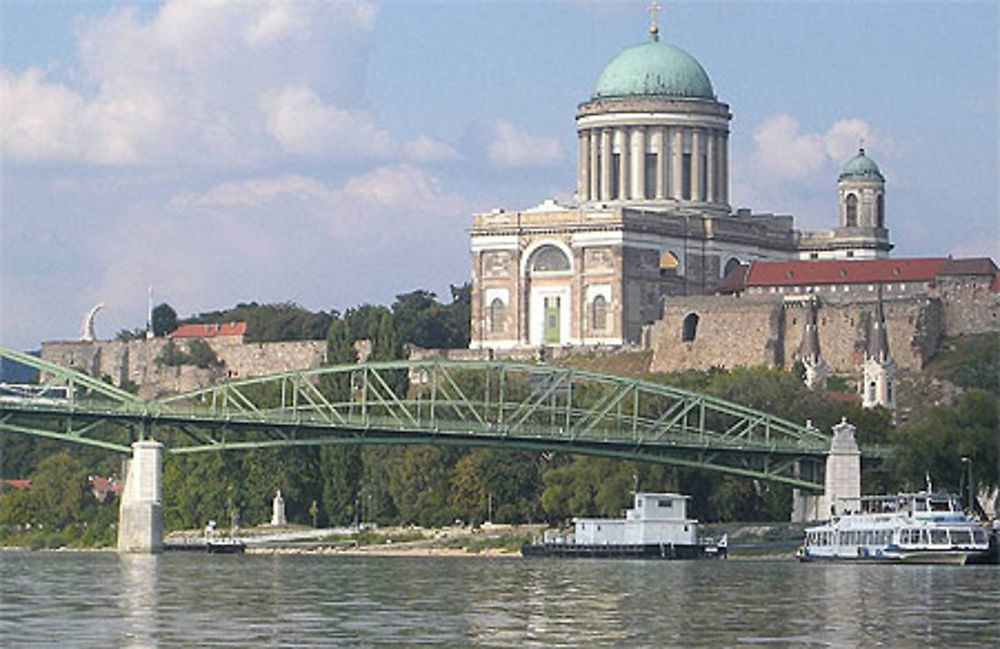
{"points": [[749, 541]]}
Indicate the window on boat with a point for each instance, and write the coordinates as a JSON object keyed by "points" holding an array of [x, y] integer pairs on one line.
{"points": [[921, 504], [938, 505], [979, 536], [924, 538], [939, 537], [960, 537], [665, 503]]}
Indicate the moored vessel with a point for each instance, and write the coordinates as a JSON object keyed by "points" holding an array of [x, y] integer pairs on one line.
{"points": [[922, 527], [657, 527]]}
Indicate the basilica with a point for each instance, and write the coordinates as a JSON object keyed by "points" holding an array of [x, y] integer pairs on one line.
{"points": [[651, 218]]}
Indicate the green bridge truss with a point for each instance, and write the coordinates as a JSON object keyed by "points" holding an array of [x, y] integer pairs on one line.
{"points": [[460, 403]]}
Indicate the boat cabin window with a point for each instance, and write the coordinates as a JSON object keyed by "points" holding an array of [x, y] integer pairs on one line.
{"points": [[960, 537], [665, 503], [939, 537], [921, 504], [939, 505], [979, 536]]}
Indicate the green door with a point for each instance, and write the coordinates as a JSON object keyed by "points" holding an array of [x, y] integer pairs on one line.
{"points": [[552, 320]]}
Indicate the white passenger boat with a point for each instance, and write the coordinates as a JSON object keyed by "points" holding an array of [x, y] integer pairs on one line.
{"points": [[906, 528]]}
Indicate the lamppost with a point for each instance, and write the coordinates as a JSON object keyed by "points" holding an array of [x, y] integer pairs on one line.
{"points": [[967, 461]]}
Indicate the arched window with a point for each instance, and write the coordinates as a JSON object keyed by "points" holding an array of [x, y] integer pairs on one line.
{"points": [[852, 211], [498, 316], [880, 211], [599, 313], [690, 328], [730, 265], [548, 258], [668, 263]]}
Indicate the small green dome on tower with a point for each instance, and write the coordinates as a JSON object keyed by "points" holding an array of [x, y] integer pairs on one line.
{"points": [[861, 166], [654, 68]]}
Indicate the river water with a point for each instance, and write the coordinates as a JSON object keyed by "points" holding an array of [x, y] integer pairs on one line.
{"points": [[176, 600]]}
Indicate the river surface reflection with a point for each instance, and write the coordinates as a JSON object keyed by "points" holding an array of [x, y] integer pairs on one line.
{"points": [[105, 600]]}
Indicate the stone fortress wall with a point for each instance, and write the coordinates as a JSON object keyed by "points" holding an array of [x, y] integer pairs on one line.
{"points": [[767, 330], [136, 361]]}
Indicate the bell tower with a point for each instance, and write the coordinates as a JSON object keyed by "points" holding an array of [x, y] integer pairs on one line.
{"points": [[861, 231]]}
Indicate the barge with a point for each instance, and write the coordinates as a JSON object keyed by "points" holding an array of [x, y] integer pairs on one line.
{"points": [[657, 527]]}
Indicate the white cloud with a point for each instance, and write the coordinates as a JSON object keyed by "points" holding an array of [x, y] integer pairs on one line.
{"points": [[425, 149], [187, 82], [512, 147], [303, 124], [784, 153]]}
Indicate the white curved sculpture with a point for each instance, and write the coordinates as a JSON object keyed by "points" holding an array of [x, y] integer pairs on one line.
{"points": [[87, 326]]}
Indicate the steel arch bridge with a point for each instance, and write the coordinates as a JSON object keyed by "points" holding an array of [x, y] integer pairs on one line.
{"points": [[457, 403]]}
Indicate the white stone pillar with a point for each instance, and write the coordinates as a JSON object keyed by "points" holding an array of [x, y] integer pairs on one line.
{"points": [[278, 510], [724, 162], [712, 142], [606, 159], [696, 139], [659, 145], [638, 166], [843, 470], [595, 162], [582, 167], [622, 144], [676, 163], [140, 514]]}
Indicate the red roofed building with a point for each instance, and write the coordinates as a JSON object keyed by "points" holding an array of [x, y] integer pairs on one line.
{"points": [[236, 331]]}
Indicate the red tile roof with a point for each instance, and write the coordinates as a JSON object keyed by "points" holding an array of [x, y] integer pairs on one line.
{"points": [[843, 271], [211, 330], [16, 484]]}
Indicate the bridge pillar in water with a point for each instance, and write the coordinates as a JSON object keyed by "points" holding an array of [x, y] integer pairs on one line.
{"points": [[842, 478], [140, 515]]}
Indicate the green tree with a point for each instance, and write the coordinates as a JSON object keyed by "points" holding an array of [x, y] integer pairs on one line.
{"points": [[936, 445], [164, 319]]}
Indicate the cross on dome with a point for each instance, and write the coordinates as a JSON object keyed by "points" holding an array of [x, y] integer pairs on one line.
{"points": [[654, 29]]}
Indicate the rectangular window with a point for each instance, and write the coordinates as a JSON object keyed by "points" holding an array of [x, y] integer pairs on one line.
{"points": [[651, 163], [616, 174], [686, 176], [665, 503], [703, 178]]}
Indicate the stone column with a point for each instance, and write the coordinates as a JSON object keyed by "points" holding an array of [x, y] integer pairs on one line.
{"points": [[710, 167], [621, 141], [595, 161], [676, 163], [659, 145], [843, 470], [606, 158], [724, 168], [696, 138], [638, 184], [140, 514], [583, 166]]}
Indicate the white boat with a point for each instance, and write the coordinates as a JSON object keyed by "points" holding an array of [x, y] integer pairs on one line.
{"points": [[657, 527], [920, 527]]}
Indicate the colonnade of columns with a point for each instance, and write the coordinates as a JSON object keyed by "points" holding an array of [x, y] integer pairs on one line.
{"points": [[653, 163]]}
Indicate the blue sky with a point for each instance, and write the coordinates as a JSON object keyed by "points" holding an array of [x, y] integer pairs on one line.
{"points": [[332, 153]]}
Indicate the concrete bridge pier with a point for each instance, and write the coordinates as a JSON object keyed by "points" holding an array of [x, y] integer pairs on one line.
{"points": [[842, 479], [140, 515]]}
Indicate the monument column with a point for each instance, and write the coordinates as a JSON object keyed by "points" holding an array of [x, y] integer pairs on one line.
{"points": [[606, 159], [638, 163], [140, 513], [621, 142], [583, 167], [595, 161], [712, 142], [676, 164], [696, 137], [659, 145]]}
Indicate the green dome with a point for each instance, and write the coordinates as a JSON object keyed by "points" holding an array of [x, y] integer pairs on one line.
{"points": [[654, 68], [861, 166]]}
